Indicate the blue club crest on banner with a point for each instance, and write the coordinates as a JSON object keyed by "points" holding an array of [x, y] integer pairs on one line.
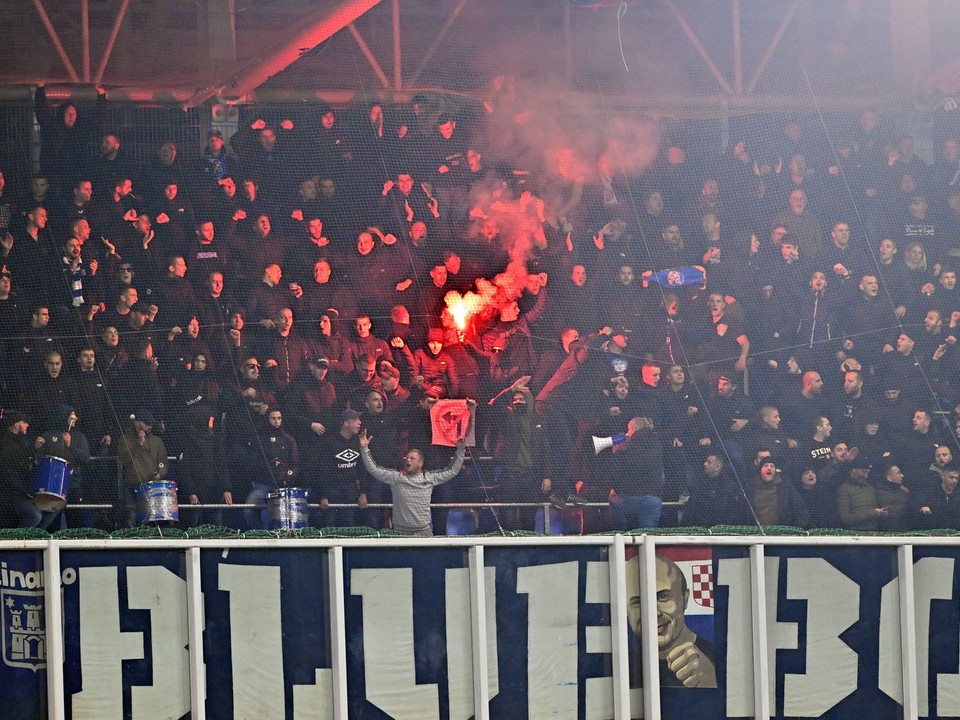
{"points": [[24, 638]]}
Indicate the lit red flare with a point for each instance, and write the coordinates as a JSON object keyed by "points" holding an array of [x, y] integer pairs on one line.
{"points": [[464, 307], [458, 308], [484, 302]]}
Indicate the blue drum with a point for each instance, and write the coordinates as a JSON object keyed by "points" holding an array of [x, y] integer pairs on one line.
{"points": [[51, 484], [287, 509], [157, 502]]}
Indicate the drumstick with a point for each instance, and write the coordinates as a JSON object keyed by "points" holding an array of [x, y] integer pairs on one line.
{"points": [[71, 422]]}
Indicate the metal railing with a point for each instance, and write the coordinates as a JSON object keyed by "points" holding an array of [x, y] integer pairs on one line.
{"points": [[546, 507], [172, 460]]}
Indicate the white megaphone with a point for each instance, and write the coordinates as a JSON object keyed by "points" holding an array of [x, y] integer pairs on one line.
{"points": [[602, 443]]}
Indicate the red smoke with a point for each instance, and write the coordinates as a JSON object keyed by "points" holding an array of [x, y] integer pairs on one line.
{"points": [[513, 223], [565, 144]]}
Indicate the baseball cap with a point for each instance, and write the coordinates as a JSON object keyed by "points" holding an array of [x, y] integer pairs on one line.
{"points": [[144, 416], [388, 369], [11, 417]]}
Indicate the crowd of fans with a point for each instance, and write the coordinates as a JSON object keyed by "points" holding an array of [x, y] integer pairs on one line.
{"points": [[766, 335]]}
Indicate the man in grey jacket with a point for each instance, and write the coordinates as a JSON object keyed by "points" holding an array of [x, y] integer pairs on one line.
{"points": [[412, 487]]}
